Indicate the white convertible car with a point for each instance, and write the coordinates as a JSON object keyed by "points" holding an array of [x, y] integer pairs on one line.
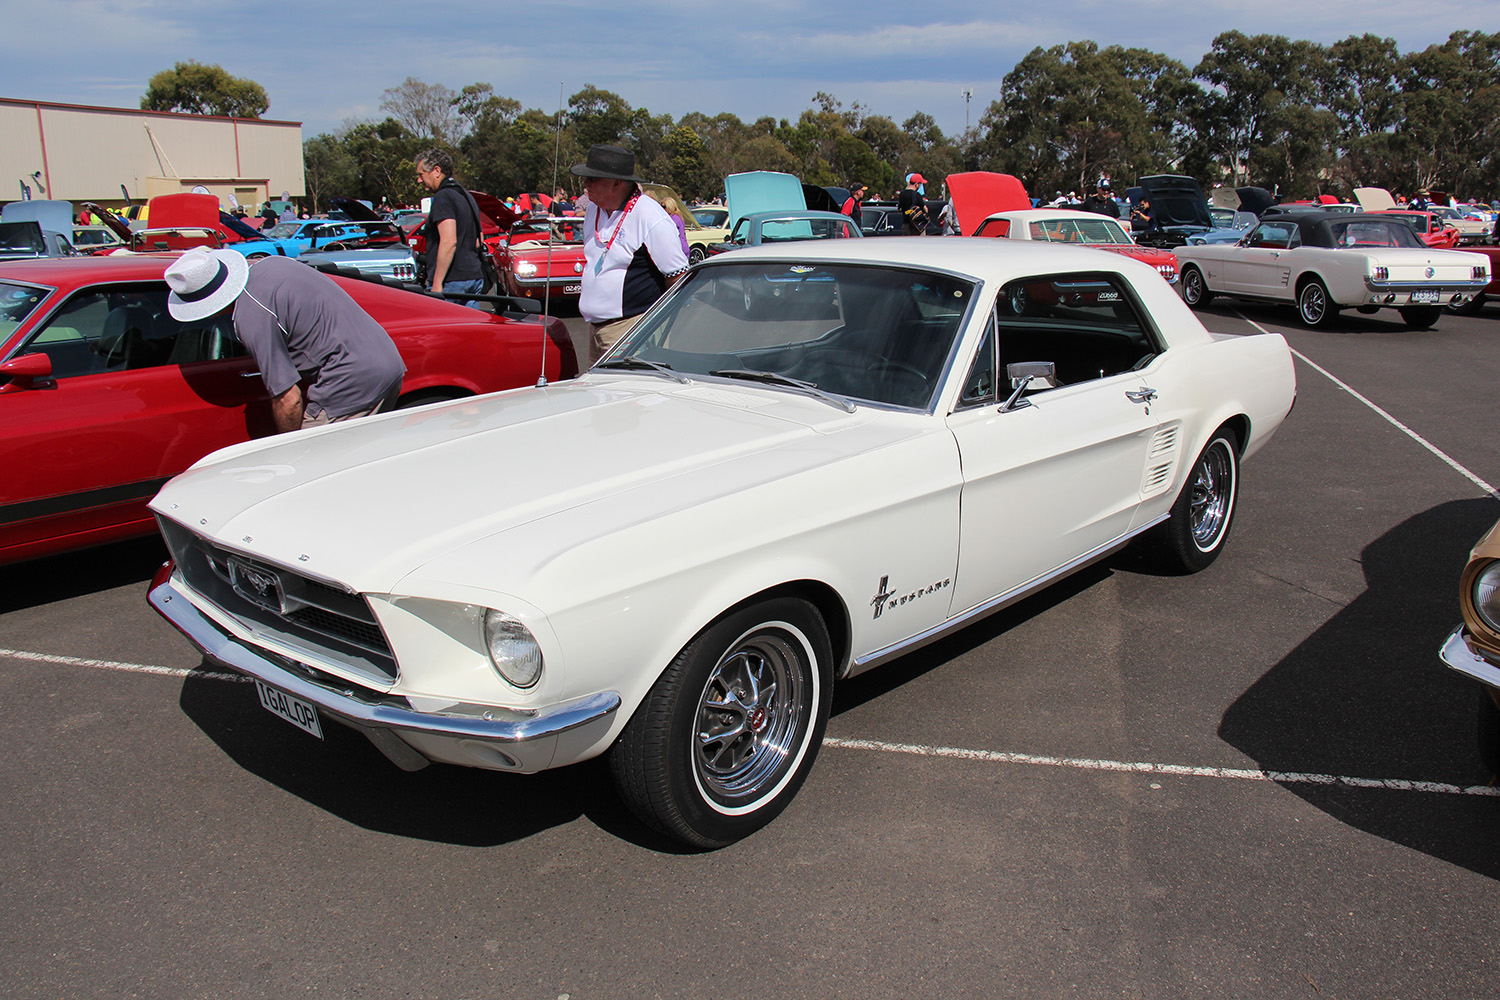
{"points": [[1322, 262], [804, 461]]}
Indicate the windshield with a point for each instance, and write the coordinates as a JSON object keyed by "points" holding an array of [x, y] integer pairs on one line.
{"points": [[1372, 233], [16, 303], [282, 231], [873, 334], [1100, 230], [21, 238], [711, 216]]}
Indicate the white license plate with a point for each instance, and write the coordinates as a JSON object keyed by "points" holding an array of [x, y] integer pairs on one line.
{"points": [[299, 713], [572, 289], [1429, 295]]}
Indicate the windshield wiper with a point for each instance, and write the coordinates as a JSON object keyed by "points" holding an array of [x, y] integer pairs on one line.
{"points": [[776, 378], [641, 364]]}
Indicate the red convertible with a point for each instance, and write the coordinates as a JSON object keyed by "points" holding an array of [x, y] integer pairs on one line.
{"points": [[106, 397], [1429, 227]]}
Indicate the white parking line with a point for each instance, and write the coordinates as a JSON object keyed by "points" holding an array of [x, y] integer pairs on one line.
{"points": [[129, 668], [1142, 767], [914, 749], [1396, 423]]}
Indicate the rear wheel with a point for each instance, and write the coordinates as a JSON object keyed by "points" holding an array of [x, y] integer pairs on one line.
{"points": [[256, 256], [695, 255], [730, 730], [1313, 305], [1193, 535], [1421, 317], [1194, 289]]}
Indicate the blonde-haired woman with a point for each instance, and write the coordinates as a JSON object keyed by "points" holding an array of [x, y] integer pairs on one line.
{"points": [[675, 209]]}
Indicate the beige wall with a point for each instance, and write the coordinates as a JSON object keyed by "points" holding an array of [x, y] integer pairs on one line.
{"points": [[90, 152]]}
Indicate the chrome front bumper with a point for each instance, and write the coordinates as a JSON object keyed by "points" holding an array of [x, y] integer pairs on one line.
{"points": [[1457, 654], [524, 740]]}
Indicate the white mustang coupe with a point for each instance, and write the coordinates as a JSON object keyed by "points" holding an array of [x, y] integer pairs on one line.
{"points": [[1322, 262], [804, 461]]}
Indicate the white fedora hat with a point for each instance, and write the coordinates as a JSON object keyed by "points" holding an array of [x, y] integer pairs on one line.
{"points": [[205, 281]]}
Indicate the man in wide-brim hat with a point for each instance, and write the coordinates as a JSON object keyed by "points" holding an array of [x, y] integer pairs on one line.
{"points": [[298, 324], [632, 252]]}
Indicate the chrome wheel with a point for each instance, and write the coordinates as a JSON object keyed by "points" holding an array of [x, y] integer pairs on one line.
{"points": [[1312, 303], [750, 713], [1211, 495], [1194, 292], [729, 731]]}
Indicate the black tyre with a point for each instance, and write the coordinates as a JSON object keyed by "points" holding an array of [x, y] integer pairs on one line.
{"points": [[257, 256], [730, 730], [1313, 305], [1469, 307], [1194, 289], [1193, 535], [1421, 317], [1487, 731], [695, 254]]}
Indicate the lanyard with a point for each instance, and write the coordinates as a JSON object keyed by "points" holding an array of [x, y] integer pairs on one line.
{"points": [[598, 264]]}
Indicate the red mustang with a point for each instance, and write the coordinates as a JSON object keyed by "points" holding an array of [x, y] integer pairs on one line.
{"points": [[106, 397], [1429, 226]]}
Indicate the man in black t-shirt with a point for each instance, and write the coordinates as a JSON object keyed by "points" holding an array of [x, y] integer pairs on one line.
{"points": [[452, 228]]}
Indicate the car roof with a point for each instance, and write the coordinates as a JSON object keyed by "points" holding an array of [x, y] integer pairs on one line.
{"points": [[71, 272], [977, 257], [1036, 214], [808, 213]]}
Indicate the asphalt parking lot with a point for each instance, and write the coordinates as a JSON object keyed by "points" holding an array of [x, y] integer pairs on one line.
{"points": [[1255, 782]]}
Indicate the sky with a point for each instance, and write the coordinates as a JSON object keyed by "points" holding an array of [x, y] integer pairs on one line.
{"points": [[323, 62]]}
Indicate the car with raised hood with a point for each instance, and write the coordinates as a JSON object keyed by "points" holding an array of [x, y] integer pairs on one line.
{"points": [[1062, 225], [104, 396], [378, 248], [1321, 262], [1473, 648], [39, 227], [672, 560], [1179, 210]]}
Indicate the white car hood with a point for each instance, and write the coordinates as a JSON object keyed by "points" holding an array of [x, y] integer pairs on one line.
{"points": [[368, 502]]}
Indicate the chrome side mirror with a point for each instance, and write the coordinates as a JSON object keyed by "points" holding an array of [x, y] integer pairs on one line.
{"points": [[1021, 375]]}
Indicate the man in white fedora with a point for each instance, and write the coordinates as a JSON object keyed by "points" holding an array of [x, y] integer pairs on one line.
{"points": [[300, 326]]}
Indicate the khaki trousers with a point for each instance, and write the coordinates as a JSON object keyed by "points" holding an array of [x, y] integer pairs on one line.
{"points": [[602, 336]]}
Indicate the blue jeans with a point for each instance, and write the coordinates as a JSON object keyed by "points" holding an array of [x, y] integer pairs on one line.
{"points": [[473, 287]]}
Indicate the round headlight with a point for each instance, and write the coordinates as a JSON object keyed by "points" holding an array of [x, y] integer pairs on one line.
{"points": [[526, 269], [1487, 596], [512, 648]]}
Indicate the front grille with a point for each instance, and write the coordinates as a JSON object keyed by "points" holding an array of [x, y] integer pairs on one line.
{"points": [[331, 624]]}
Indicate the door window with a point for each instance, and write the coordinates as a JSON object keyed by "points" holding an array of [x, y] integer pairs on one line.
{"points": [[126, 327], [1088, 325]]}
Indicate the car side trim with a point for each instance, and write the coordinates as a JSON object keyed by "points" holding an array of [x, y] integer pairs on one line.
{"points": [[1005, 600], [70, 503]]}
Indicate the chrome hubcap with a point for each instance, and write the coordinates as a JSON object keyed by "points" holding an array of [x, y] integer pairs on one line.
{"points": [[1211, 493], [749, 716], [1312, 303]]}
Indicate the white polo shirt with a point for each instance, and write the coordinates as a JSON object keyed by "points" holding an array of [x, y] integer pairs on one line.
{"points": [[644, 253]]}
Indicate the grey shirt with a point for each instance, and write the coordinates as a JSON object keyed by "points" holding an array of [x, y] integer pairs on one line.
{"points": [[298, 323]]}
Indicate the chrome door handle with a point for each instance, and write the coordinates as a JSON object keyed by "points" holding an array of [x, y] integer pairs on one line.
{"points": [[1140, 395], [249, 374]]}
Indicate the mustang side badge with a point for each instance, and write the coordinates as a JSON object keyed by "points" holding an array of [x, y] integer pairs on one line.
{"points": [[885, 597]]}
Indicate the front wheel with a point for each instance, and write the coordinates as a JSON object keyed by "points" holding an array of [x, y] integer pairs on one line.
{"points": [[1313, 305], [730, 730], [1193, 535], [1421, 317], [695, 255], [1194, 289]]}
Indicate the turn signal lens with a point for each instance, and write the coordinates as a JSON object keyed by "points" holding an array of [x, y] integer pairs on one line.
{"points": [[512, 648], [1382, 274]]}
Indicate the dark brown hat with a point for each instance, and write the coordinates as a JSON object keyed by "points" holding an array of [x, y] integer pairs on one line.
{"points": [[614, 162]]}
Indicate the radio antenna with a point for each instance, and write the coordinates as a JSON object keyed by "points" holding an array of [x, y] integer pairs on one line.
{"points": [[541, 379]]}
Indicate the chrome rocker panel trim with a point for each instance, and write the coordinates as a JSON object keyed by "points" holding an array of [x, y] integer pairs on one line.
{"points": [[523, 740], [1457, 654], [1005, 600]]}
